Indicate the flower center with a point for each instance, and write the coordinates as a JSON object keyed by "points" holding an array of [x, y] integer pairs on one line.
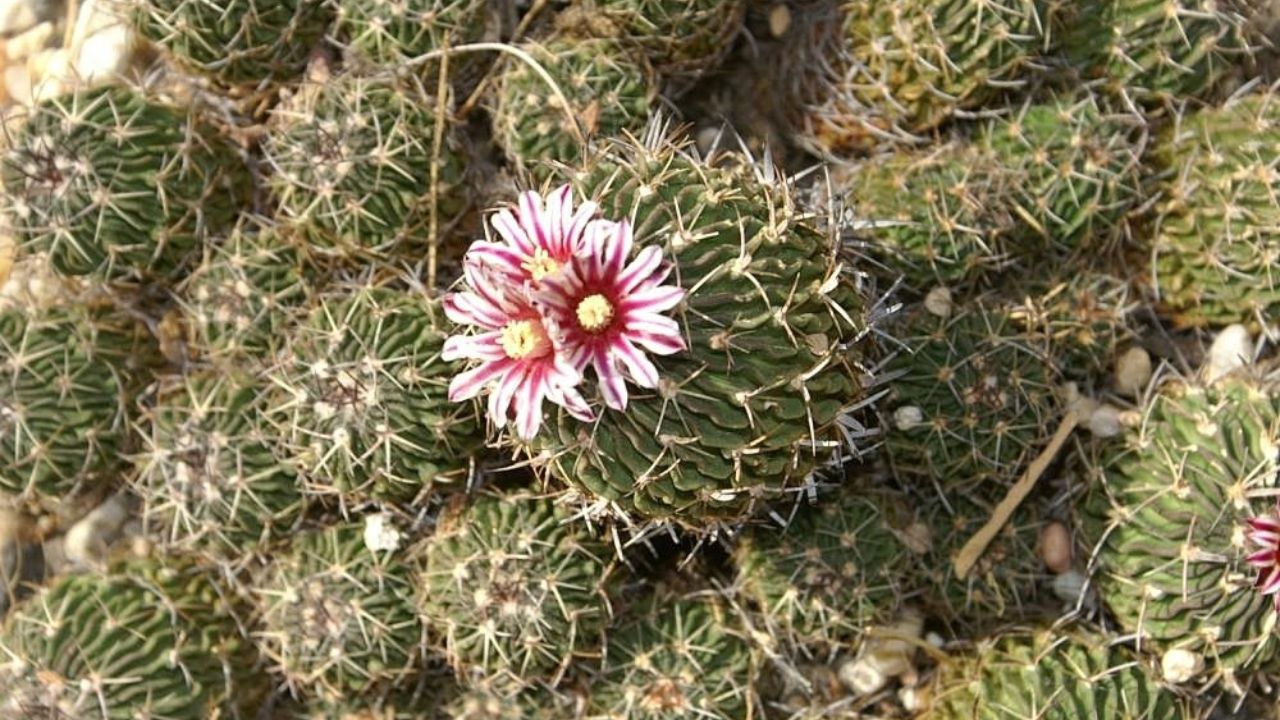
{"points": [[594, 313], [524, 338], [540, 265]]}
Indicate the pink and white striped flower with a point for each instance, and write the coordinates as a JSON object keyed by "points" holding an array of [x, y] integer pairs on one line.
{"points": [[606, 312], [1265, 533], [538, 239], [520, 365]]}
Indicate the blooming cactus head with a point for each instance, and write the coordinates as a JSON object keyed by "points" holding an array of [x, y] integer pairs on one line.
{"points": [[1265, 533], [555, 295]]}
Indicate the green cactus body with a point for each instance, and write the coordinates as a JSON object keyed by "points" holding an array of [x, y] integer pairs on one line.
{"points": [[339, 618], [363, 405], [515, 589], [674, 659], [890, 71], [115, 184], [683, 39], [607, 87], [771, 324], [142, 641], [208, 477], [973, 402], [1218, 230], [248, 43], [1050, 675], [1167, 518], [496, 701], [1081, 315], [1009, 580], [1151, 50], [386, 33], [1074, 171], [68, 378], [934, 216], [353, 164], [238, 301], [830, 573]]}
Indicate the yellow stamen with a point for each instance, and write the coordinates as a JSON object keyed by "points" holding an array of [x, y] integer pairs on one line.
{"points": [[540, 265], [524, 338], [594, 313]]}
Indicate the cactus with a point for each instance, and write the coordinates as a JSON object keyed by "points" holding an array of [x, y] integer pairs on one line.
{"points": [[386, 33], [363, 409], [1050, 675], [889, 71], [118, 184], [69, 377], [497, 701], [238, 301], [973, 400], [1080, 315], [144, 640], [831, 572], [1151, 51], [339, 617], [1073, 170], [674, 658], [608, 89], [1166, 516], [207, 477], [1216, 234], [935, 216], [772, 324], [1009, 581], [683, 39], [514, 588], [239, 43], [356, 168]]}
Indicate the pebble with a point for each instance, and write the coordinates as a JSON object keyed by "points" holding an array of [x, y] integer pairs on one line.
{"points": [[1055, 547], [1178, 665], [29, 42], [939, 302], [1231, 350], [87, 543], [1133, 372], [884, 656], [17, 16]]}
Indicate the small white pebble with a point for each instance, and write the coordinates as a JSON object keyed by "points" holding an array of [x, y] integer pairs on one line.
{"points": [[1133, 372], [1105, 421], [907, 417], [380, 534], [1232, 349], [938, 301], [1178, 665], [1069, 586], [779, 19], [913, 699]]}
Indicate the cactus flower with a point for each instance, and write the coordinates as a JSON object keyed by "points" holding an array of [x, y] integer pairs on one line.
{"points": [[606, 312], [538, 239], [1265, 533], [519, 363]]}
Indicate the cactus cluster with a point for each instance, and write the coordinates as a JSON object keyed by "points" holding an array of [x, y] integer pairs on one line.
{"points": [[360, 402], [773, 326], [347, 373], [366, 165], [1165, 523], [70, 377], [243, 44], [120, 185]]}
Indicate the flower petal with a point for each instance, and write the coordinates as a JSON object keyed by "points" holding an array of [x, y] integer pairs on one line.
{"points": [[613, 386], [468, 384], [639, 368]]}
